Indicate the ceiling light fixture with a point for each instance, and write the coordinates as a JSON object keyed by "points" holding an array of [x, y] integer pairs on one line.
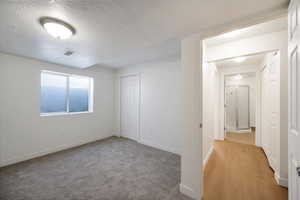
{"points": [[238, 77], [57, 28], [239, 59]]}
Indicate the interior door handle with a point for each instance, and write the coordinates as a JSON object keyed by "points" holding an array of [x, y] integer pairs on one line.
{"points": [[298, 170]]}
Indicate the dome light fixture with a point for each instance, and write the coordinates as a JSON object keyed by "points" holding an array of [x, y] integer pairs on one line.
{"points": [[238, 77], [57, 28], [239, 59]]}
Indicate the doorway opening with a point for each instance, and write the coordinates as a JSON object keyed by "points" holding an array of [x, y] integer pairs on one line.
{"points": [[240, 108]]}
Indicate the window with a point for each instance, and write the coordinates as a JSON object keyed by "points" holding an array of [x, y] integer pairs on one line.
{"points": [[65, 93]]}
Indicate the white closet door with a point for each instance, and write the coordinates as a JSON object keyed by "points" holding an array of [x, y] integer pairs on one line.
{"points": [[264, 112], [129, 97], [274, 105], [243, 107], [270, 109]]}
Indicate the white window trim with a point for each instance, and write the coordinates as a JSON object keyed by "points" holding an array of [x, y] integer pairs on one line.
{"points": [[90, 94]]}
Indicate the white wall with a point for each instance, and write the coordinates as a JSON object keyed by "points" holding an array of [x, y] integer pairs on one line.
{"points": [[24, 133], [161, 104], [210, 106], [191, 159], [251, 82]]}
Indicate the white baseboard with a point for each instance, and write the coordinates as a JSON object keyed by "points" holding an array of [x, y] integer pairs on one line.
{"points": [[48, 151], [158, 146], [206, 158], [187, 191], [281, 181]]}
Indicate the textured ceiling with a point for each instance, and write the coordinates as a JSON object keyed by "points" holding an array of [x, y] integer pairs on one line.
{"points": [[116, 33]]}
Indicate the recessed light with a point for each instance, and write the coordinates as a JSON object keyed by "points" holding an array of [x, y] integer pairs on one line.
{"points": [[239, 59], [238, 77], [57, 28]]}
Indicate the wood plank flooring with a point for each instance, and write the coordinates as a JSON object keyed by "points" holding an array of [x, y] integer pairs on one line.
{"points": [[245, 138], [238, 171]]}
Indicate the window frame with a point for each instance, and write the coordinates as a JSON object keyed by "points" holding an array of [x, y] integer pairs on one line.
{"points": [[67, 103]]}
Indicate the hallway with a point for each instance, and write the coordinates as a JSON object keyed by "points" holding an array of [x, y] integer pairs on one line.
{"points": [[240, 172], [245, 138]]}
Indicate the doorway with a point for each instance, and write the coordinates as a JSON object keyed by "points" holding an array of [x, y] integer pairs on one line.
{"points": [[240, 107], [235, 58], [129, 106]]}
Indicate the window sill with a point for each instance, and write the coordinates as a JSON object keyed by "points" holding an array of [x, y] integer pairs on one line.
{"points": [[63, 113]]}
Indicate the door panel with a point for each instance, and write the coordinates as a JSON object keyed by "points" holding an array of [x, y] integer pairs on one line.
{"points": [[230, 98], [243, 107], [270, 108], [129, 97], [294, 101]]}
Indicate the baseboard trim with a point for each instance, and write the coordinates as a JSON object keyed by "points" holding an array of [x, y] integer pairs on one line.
{"points": [[206, 158], [187, 191], [158, 146], [49, 151], [281, 181]]}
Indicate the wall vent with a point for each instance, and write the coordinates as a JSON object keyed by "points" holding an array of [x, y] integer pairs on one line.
{"points": [[68, 53]]}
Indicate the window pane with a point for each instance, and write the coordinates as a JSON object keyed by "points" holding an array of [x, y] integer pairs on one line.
{"points": [[79, 94], [53, 93]]}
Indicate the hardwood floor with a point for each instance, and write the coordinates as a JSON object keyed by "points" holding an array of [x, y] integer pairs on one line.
{"points": [[238, 171], [245, 138]]}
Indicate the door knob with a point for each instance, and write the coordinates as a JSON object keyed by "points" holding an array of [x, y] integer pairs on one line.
{"points": [[298, 170]]}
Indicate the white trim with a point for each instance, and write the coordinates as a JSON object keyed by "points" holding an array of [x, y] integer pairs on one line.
{"points": [[63, 113], [281, 181], [139, 103], [187, 191], [161, 147], [49, 151], [206, 158]]}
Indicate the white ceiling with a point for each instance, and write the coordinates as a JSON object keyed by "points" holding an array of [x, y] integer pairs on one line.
{"points": [[252, 31], [253, 60], [117, 33]]}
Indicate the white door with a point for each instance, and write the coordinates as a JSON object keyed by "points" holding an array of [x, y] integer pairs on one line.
{"points": [[129, 97], [274, 105], [264, 112], [243, 121], [270, 108], [294, 101], [230, 109]]}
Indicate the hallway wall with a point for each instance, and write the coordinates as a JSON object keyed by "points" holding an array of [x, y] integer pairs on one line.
{"points": [[210, 106]]}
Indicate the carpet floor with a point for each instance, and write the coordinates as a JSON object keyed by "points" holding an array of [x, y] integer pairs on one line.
{"points": [[110, 169]]}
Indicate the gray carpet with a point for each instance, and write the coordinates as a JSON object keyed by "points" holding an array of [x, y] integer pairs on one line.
{"points": [[111, 169]]}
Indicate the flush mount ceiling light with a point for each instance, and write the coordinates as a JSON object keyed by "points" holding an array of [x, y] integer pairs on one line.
{"points": [[57, 28], [238, 77], [239, 59]]}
